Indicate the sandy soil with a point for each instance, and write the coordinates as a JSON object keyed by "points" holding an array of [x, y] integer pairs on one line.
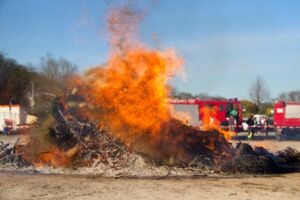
{"points": [[30, 185], [36, 186]]}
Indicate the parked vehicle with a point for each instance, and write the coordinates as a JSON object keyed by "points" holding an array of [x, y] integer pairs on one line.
{"points": [[263, 123], [287, 120], [9, 118], [222, 107]]}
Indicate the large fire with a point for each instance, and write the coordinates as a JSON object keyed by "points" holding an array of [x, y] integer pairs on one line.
{"points": [[131, 90], [128, 97]]}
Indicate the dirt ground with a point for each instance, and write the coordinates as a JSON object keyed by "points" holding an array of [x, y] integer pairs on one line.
{"points": [[18, 185], [36, 186]]}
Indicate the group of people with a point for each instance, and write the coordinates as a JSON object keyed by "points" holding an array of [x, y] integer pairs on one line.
{"points": [[255, 124]]}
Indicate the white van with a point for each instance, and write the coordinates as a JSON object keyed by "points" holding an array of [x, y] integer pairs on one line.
{"points": [[9, 117]]}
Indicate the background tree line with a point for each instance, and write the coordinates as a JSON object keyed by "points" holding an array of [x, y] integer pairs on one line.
{"points": [[259, 102], [47, 79], [15, 81], [50, 78], [175, 93]]}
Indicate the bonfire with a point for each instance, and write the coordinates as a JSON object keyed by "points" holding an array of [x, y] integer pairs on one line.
{"points": [[121, 109]]}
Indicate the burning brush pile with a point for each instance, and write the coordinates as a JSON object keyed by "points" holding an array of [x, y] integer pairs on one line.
{"points": [[117, 116], [85, 146], [79, 142]]}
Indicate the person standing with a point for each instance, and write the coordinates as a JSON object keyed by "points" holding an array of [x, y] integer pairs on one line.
{"points": [[234, 113], [251, 128], [231, 123], [264, 123], [234, 120]]}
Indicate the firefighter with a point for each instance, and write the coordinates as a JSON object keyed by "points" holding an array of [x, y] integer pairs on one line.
{"points": [[234, 113], [232, 123], [233, 120], [251, 128]]}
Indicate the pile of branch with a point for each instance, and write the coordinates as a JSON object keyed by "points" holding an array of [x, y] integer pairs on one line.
{"points": [[260, 161], [289, 156], [192, 147], [247, 160], [179, 145], [12, 154], [94, 144], [91, 144]]}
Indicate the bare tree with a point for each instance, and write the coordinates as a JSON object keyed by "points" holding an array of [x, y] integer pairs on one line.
{"points": [[293, 96], [173, 91], [57, 71], [259, 92], [15, 81]]}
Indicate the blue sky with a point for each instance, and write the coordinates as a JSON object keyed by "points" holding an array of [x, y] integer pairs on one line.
{"points": [[225, 43]]}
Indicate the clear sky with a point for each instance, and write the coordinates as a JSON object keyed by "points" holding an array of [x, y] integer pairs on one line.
{"points": [[225, 43]]}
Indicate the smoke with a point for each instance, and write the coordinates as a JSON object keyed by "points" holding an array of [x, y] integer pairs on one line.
{"points": [[122, 25], [131, 90]]}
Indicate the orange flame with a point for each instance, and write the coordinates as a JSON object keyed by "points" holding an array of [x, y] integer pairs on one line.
{"points": [[184, 117], [210, 122], [56, 158], [131, 90]]}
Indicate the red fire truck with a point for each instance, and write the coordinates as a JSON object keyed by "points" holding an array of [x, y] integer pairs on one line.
{"points": [[222, 107], [287, 120]]}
